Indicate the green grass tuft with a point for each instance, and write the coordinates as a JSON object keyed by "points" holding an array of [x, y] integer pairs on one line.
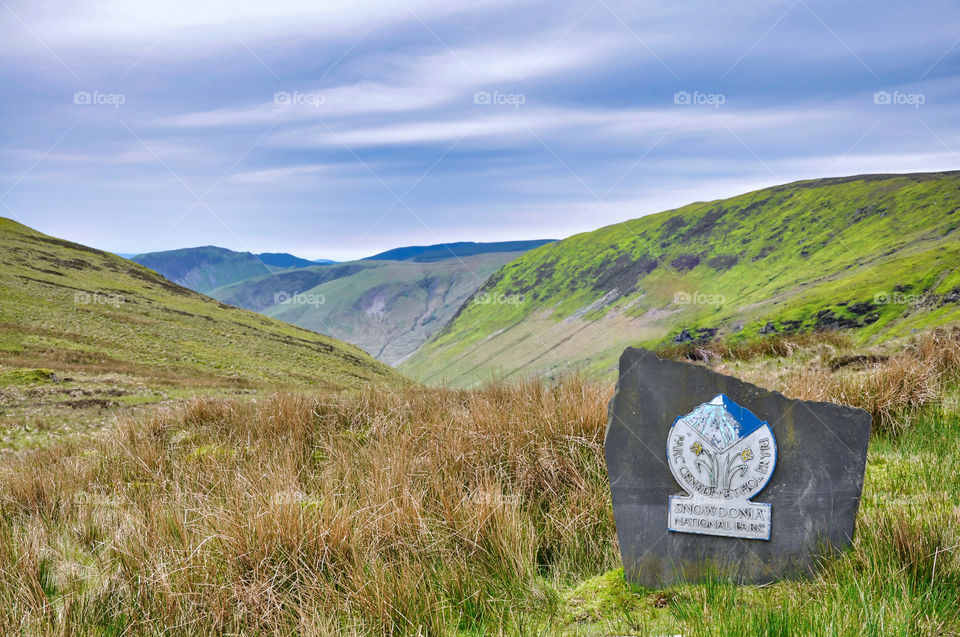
{"points": [[26, 376]]}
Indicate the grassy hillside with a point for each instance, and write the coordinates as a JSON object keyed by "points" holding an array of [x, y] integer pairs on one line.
{"points": [[209, 267], [442, 251], [388, 308], [261, 292], [87, 330], [875, 254]]}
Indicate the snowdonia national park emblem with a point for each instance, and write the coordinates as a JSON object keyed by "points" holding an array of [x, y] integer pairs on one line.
{"points": [[722, 455]]}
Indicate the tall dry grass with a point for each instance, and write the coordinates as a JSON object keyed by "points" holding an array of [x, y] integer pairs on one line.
{"points": [[892, 385], [781, 345], [403, 512], [400, 512]]}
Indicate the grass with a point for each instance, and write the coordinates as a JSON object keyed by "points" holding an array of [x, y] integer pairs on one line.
{"points": [[876, 251], [40, 406], [416, 511], [374, 510]]}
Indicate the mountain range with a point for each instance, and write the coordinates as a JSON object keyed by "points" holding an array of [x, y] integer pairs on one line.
{"points": [[387, 304], [75, 309], [209, 267], [876, 255]]}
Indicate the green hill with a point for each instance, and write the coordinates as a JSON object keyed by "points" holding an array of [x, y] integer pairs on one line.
{"points": [[209, 267], [876, 254], [69, 309], [388, 308]]}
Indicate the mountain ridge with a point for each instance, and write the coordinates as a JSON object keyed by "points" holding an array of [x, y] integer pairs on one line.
{"points": [[204, 268], [458, 249]]}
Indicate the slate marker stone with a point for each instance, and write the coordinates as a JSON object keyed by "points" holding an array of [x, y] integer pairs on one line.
{"points": [[711, 474]]}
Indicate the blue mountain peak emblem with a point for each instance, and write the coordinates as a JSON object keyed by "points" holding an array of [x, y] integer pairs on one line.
{"points": [[722, 422]]}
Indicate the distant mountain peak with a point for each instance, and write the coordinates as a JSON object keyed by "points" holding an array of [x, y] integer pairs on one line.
{"points": [[206, 268], [458, 249]]}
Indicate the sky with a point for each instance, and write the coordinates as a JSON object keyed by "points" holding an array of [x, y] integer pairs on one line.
{"points": [[341, 128]]}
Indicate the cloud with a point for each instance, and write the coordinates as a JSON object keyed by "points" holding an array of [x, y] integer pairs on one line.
{"points": [[310, 105], [371, 85], [523, 125], [110, 23], [412, 83], [280, 175]]}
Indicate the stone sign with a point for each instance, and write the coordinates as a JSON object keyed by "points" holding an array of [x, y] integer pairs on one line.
{"points": [[711, 474]]}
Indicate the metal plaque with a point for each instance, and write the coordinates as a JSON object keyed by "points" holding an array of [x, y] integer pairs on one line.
{"points": [[722, 455]]}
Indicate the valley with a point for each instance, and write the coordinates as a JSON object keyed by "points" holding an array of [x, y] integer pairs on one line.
{"points": [[387, 304]]}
